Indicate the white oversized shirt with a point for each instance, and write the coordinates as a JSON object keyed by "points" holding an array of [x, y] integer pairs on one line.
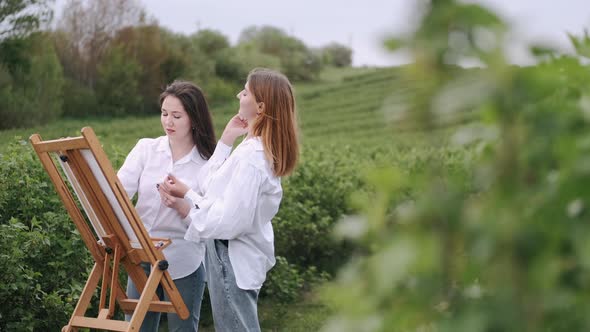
{"points": [[146, 165], [239, 198]]}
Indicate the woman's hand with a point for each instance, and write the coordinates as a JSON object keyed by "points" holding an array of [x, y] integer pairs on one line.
{"points": [[178, 204], [235, 128], [173, 187]]}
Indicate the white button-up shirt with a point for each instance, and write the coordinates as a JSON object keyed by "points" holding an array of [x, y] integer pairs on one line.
{"points": [[239, 198], [147, 164]]}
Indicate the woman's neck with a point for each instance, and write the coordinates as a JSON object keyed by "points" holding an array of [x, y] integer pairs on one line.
{"points": [[180, 148], [250, 133]]}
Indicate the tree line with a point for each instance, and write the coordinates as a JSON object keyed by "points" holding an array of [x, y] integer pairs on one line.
{"points": [[110, 58]]}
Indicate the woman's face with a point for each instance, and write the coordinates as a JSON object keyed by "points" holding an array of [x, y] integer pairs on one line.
{"points": [[248, 106], [175, 120]]}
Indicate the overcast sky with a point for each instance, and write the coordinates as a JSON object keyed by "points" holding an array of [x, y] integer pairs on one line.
{"points": [[362, 24]]}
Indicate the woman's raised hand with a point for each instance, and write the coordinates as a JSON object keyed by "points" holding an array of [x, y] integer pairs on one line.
{"points": [[235, 128]]}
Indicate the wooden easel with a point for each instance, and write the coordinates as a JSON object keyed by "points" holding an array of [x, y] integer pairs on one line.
{"points": [[117, 237]]}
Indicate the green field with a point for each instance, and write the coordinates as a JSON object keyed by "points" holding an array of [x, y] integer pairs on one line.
{"points": [[344, 108], [343, 125]]}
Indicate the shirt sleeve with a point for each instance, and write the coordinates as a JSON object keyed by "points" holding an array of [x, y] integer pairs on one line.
{"points": [[132, 168], [222, 151], [230, 215], [186, 221], [194, 197]]}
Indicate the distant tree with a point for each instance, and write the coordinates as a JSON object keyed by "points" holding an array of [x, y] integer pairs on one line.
{"points": [[235, 63], [18, 18], [302, 65], [15, 54], [145, 46], [337, 55], [117, 88], [176, 63], [297, 61], [250, 33], [78, 100], [211, 42], [228, 65], [86, 29], [271, 40], [32, 94]]}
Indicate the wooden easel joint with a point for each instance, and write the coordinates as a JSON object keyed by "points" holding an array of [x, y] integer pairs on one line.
{"points": [[163, 265]]}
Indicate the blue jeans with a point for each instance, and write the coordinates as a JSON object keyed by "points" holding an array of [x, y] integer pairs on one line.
{"points": [[191, 290], [234, 309]]}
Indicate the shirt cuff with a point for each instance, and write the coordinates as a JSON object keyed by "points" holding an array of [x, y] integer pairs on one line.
{"points": [[187, 220], [194, 198]]}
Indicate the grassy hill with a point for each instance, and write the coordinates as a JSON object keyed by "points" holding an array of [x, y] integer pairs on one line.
{"points": [[344, 106], [348, 110]]}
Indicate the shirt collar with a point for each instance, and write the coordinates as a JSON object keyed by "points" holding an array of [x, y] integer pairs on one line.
{"points": [[256, 142], [196, 156], [164, 146]]}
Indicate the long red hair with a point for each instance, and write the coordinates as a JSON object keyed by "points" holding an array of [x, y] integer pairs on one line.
{"points": [[277, 125]]}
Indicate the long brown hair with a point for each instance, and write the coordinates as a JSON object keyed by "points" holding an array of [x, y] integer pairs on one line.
{"points": [[277, 125], [194, 103]]}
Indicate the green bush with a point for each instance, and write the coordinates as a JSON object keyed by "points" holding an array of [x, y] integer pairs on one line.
{"points": [[286, 282], [26, 192], [316, 197], [283, 282], [42, 257]]}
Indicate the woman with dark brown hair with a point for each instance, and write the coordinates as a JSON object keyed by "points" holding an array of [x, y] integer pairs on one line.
{"points": [[188, 143]]}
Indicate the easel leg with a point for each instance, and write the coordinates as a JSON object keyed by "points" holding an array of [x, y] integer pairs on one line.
{"points": [[114, 282], [146, 297], [106, 274], [85, 297]]}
